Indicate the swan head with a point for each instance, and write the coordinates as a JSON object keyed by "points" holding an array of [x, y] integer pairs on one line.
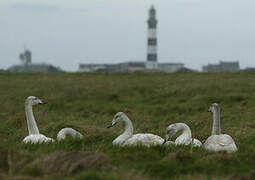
{"points": [[214, 107], [170, 131], [117, 118], [34, 100]]}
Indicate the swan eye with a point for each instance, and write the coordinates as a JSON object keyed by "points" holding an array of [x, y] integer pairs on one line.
{"points": [[116, 117]]}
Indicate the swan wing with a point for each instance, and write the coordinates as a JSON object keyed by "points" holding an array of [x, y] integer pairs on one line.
{"points": [[221, 142], [186, 142], [225, 140], [144, 140], [182, 141]]}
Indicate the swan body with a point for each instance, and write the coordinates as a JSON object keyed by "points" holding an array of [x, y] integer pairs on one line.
{"points": [[185, 138], [34, 134], [128, 139], [63, 133], [144, 140], [37, 138], [217, 141], [222, 142], [195, 142]]}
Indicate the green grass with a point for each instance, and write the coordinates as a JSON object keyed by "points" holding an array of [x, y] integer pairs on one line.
{"points": [[88, 103]]}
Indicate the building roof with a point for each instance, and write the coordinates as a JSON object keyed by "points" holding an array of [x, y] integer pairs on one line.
{"points": [[170, 63]]}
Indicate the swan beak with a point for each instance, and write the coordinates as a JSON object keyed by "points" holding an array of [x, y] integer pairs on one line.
{"points": [[43, 103]]}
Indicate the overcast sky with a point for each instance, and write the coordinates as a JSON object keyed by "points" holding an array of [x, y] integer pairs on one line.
{"points": [[68, 32]]}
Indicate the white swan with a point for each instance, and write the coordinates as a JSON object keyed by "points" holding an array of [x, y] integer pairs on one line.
{"points": [[217, 141], [185, 138], [34, 134], [128, 139], [63, 133]]}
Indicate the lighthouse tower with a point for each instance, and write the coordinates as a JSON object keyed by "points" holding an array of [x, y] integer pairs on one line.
{"points": [[152, 57]]}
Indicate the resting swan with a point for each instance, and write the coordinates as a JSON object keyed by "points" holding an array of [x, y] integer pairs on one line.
{"points": [[217, 141], [128, 139], [34, 134], [68, 132], [185, 138]]}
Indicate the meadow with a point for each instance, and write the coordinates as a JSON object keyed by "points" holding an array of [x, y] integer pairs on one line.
{"points": [[88, 102]]}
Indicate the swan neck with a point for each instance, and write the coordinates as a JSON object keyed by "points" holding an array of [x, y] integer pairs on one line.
{"points": [[186, 132], [128, 126], [216, 130], [31, 124]]}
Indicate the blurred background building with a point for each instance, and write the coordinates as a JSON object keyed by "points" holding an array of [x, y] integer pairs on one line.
{"points": [[28, 67], [26, 57], [223, 66]]}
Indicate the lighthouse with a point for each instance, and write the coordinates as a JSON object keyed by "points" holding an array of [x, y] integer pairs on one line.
{"points": [[152, 56]]}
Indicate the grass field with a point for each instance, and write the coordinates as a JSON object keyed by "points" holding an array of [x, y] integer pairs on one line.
{"points": [[88, 103]]}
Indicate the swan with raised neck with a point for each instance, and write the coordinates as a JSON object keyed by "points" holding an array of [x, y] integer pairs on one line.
{"points": [[128, 139], [185, 138], [34, 134], [217, 141]]}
